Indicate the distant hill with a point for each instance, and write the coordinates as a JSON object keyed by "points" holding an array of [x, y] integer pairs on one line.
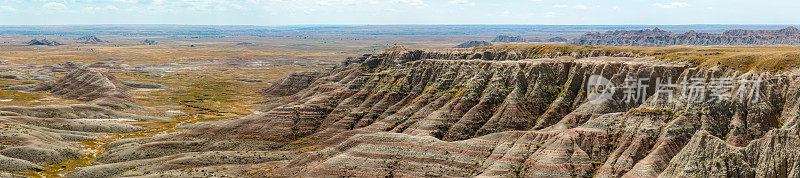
{"points": [[148, 42], [508, 39], [245, 44], [470, 44], [557, 39], [90, 39], [658, 37], [43, 42]]}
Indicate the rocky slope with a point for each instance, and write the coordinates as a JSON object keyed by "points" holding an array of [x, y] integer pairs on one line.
{"points": [[657, 37], [51, 137], [470, 44], [85, 84], [508, 39], [148, 42], [101, 92], [460, 113], [43, 42], [90, 39], [557, 39], [28, 142]]}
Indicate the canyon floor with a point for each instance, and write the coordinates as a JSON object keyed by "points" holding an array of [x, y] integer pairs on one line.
{"points": [[323, 107]]}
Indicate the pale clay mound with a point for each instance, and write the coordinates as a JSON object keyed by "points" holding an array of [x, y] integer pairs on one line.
{"points": [[94, 87], [101, 90], [35, 136], [30, 141]]}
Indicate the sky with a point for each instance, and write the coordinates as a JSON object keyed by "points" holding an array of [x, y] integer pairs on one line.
{"points": [[384, 12]]}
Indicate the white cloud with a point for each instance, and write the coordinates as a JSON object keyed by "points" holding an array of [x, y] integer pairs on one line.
{"points": [[579, 6], [462, 2], [103, 8], [505, 13], [615, 8], [7, 9], [323, 3], [55, 6], [392, 10], [344, 2], [237, 6], [309, 11], [415, 3], [671, 5], [126, 1]]}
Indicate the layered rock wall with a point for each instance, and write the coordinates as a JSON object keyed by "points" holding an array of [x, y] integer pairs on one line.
{"points": [[466, 113], [657, 37]]}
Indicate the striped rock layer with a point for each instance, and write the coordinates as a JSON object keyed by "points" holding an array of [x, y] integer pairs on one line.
{"points": [[463, 113], [28, 142], [85, 84]]}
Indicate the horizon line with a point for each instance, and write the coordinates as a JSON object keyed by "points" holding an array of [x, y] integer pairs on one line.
{"points": [[3, 25]]}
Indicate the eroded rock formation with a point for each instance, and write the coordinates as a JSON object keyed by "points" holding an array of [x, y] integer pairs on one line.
{"points": [[470, 44], [461, 113], [28, 142], [83, 84], [557, 39], [43, 42], [508, 39], [92, 86], [658, 37], [90, 39], [148, 42]]}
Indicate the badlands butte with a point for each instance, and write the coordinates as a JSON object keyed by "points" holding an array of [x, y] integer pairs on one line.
{"points": [[524, 110]]}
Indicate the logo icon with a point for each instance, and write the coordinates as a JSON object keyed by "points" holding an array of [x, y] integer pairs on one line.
{"points": [[599, 89]]}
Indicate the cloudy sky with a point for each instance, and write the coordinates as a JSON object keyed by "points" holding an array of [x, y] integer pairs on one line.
{"points": [[290, 12]]}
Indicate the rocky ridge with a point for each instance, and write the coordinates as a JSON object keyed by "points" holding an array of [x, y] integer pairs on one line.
{"points": [[36, 139], [88, 85], [508, 39], [658, 37], [557, 39], [43, 42], [478, 112], [101, 91], [90, 39], [30, 141], [470, 44], [148, 42]]}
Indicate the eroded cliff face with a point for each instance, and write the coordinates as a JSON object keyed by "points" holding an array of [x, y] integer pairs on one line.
{"points": [[488, 113], [657, 37]]}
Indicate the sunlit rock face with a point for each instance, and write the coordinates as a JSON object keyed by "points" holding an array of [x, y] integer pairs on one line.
{"points": [[462, 113], [658, 37]]}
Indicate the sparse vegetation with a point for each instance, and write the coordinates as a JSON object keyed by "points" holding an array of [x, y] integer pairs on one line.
{"points": [[760, 59], [461, 118]]}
